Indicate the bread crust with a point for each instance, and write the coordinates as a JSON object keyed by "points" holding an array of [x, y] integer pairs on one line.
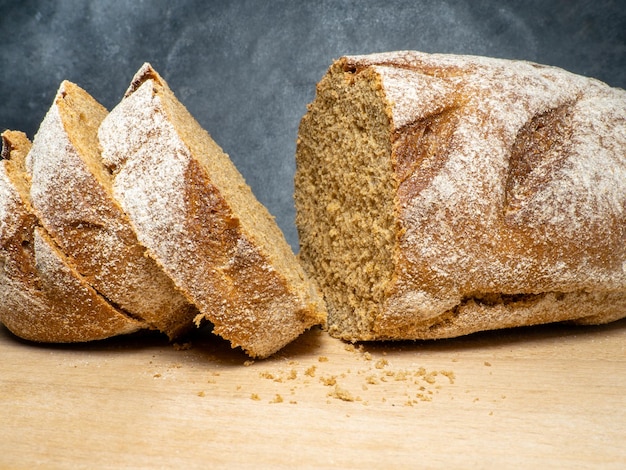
{"points": [[44, 298], [511, 194]]}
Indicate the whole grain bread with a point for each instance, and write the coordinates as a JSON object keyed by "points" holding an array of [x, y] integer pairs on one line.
{"points": [[72, 196], [194, 212], [44, 298], [439, 195]]}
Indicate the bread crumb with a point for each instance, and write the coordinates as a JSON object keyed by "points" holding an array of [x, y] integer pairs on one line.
{"points": [[201, 394], [291, 375], [248, 363], [156, 376], [329, 381], [430, 377], [372, 380], [401, 375], [367, 356], [310, 371], [322, 359], [381, 363], [488, 364], [255, 397], [424, 397], [449, 374], [342, 394], [267, 375], [277, 399]]}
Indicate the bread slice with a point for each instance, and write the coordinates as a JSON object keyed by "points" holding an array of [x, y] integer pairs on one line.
{"points": [[43, 297], [195, 213], [439, 195], [72, 196]]}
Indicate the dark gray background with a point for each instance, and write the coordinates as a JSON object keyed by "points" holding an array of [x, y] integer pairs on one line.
{"points": [[246, 69]]}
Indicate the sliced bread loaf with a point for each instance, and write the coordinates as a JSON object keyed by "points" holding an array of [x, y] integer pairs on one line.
{"points": [[195, 213]]}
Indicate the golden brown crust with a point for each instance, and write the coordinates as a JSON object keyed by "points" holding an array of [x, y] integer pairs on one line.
{"points": [[194, 212], [511, 182], [43, 297]]}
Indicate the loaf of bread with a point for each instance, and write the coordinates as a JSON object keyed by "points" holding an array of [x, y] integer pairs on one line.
{"points": [[194, 212], [440, 195], [72, 197], [44, 298]]}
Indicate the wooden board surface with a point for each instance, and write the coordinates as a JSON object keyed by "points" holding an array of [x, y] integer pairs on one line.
{"points": [[543, 397]]}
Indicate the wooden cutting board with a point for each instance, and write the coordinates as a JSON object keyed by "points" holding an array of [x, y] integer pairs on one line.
{"points": [[542, 397]]}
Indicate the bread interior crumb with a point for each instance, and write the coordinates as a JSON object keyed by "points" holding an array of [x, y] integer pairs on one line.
{"points": [[345, 179]]}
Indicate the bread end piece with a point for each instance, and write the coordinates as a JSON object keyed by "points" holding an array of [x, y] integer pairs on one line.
{"points": [[438, 195], [44, 298]]}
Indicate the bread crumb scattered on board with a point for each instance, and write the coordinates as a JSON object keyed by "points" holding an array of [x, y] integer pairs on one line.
{"points": [[277, 399], [371, 378], [342, 394], [329, 380]]}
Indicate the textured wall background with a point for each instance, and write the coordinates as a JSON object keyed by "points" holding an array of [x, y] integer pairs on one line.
{"points": [[247, 68]]}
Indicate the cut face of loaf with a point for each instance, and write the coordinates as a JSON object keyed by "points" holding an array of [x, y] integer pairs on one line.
{"points": [[440, 195], [194, 212], [72, 196], [44, 298]]}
